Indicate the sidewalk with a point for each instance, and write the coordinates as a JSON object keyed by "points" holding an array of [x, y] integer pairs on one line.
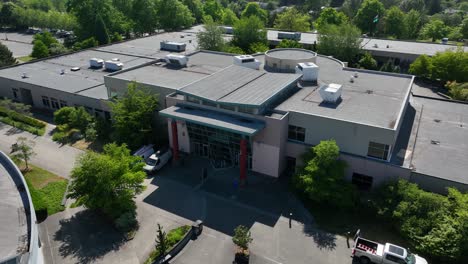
{"points": [[51, 156]]}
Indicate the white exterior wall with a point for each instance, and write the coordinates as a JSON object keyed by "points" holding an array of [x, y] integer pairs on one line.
{"points": [[184, 139], [266, 159]]}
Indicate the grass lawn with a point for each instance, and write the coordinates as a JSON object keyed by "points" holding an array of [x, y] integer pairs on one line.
{"points": [[49, 186], [25, 59]]}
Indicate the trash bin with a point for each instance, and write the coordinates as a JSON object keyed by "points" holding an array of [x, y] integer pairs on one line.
{"points": [[197, 227]]}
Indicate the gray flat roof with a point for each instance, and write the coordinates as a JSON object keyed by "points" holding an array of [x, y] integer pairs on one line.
{"points": [[46, 73], [98, 92], [200, 65], [240, 85], [13, 220], [215, 119], [445, 124], [395, 46], [292, 54], [374, 99]]}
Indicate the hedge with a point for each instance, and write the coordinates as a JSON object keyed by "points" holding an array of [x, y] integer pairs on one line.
{"points": [[23, 126], [22, 118]]}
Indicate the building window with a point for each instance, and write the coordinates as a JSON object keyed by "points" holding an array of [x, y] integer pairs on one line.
{"points": [[193, 99], [55, 103], [63, 103], [363, 182], [378, 151], [15, 93], [246, 110], [45, 101], [296, 133], [227, 107], [208, 103]]}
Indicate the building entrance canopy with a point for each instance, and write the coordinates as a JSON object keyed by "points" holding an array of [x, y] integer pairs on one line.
{"points": [[218, 120]]}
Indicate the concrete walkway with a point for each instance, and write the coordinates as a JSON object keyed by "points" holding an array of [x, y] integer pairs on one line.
{"points": [[51, 156]]}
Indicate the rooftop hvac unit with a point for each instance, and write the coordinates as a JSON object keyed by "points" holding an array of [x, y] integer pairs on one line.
{"points": [[172, 46], [113, 65], [178, 60], [308, 70], [96, 63], [248, 61], [289, 35], [330, 93]]}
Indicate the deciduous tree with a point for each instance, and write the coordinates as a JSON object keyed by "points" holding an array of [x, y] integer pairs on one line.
{"points": [[254, 9], [435, 29], [214, 9], [247, 31], [229, 17], [173, 15], [342, 42], [108, 182], [40, 50], [369, 15], [23, 150], [133, 114], [211, 38], [329, 16], [395, 22], [292, 20]]}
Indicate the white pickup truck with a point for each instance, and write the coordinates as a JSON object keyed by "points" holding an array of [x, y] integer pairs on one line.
{"points": [[367, 251]]}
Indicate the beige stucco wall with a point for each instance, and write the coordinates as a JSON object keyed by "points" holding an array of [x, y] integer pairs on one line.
{"points": [[351, 137], [286, 65]]}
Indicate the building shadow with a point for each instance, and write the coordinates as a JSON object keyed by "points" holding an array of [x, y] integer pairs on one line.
{"points": [[86, 236], [403, 142]]}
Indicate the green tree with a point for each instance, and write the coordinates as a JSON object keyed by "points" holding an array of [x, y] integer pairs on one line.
{"points": [[434, 224], [422, 66], [46, 38], [395, 22], [292, 20], [86, 44], [233, 49], [350, 7], [98, 19], [40, 50], [6, 56], [342, 42], [173, 15], [242, 237], [21, 108], [458, 91], [289, 43], [108, 182], [144, 15], [214, 9], [7, 14], [211, 38], [133, 114], [450, 66], [229, 17], [23, 150], [249, 30], [416, 5], [258, 47], [254, 9], [196, 8], [413, 23], [161, 241], [464, 28], [329, 16], [369, 15], [435, 29], [322, 178], [57, 49], [368, 62]]}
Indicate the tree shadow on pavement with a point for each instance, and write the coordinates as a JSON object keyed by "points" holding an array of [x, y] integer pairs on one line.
{"points": [[86, 236], [324, 240], [13, 131]]}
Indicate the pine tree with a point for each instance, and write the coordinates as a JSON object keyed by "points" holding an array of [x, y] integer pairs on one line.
{"points": [[6, 56]]}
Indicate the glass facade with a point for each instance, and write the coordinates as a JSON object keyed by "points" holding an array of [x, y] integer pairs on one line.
{"points": [[220, 146]]}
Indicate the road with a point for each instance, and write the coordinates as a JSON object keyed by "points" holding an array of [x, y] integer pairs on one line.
{"points": [[50, 155]]}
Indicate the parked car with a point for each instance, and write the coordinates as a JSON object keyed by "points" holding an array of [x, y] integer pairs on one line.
{"points": [[156, 161], [144, 152], [367, 251]]}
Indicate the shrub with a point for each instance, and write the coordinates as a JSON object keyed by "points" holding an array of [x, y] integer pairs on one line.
{"points": [[458, 91], [126, 222], [175, 235], [22, 118], [61, 137], [91, 133], [62, 115]]}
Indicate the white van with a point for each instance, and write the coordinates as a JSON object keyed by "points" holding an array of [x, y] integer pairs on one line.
{"points": [[156, 161], [145, 152]]}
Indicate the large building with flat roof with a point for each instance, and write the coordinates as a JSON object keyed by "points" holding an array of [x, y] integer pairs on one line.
{"points": [[260, 113]]}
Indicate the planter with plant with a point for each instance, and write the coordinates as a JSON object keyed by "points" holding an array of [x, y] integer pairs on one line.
{"points": [[242, 238]]}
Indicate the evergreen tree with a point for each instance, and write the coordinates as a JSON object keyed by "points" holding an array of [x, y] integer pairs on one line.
{"points": [[6, 56]]}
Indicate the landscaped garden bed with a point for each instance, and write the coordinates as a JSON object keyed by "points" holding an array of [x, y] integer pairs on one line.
{"points": [[171, 240], [22, 121]]}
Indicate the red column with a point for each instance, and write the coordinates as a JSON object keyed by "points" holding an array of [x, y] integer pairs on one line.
{"points": [[243, 161], [175, 140]]}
